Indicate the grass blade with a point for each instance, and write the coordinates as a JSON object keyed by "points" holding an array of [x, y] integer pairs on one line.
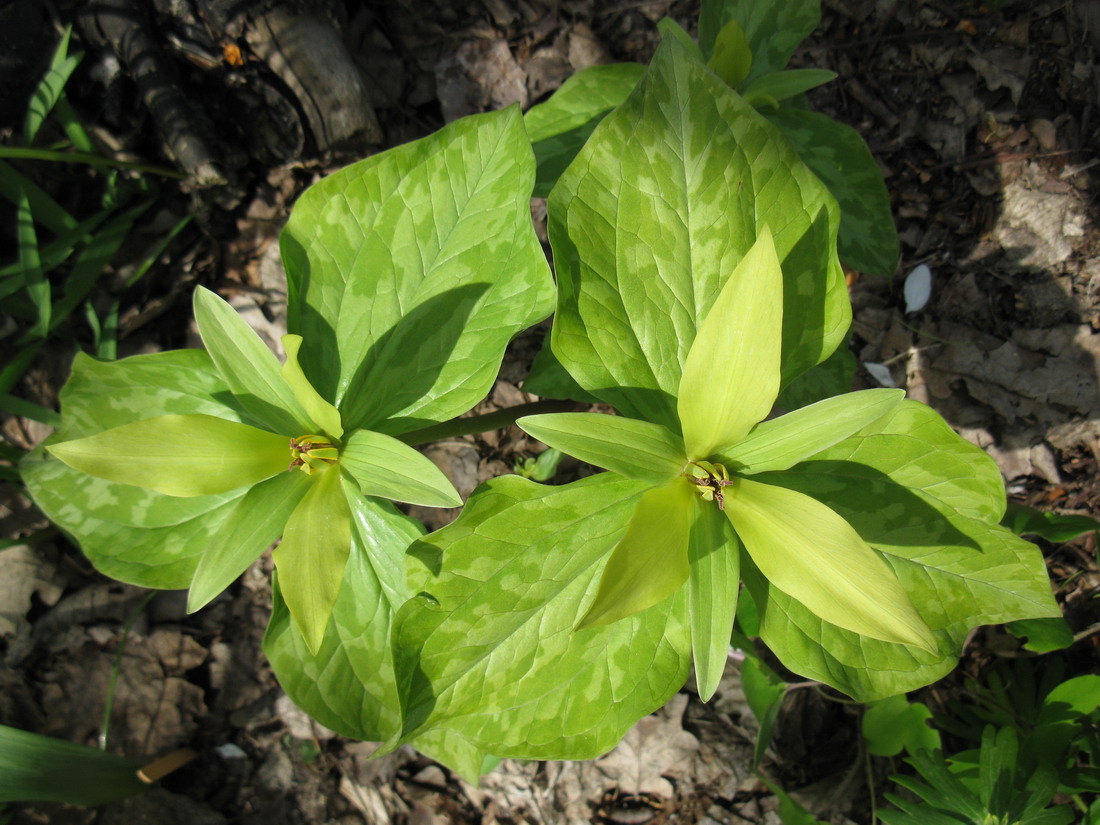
{"points": [[47, 211], [37, 287], [90, 158], [46, 95], [22, 408]]}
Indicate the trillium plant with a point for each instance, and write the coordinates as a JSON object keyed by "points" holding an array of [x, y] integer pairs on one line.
{"points": [[697, 291]]}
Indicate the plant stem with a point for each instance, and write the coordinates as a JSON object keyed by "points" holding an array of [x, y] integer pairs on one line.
{"points": [[484, 423], [109, 704]]}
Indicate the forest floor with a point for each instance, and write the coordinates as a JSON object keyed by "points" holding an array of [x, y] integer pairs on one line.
{"points": [[985, 119]]}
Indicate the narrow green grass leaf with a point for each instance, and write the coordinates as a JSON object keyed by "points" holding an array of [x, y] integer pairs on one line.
{"points": [[383, 466], [783, 442], [18, 366], [714, 554], [179, 455], [635, 449], [312, 555], [158, 248], [812, 554], [89, 158], [36, 285], [47, 93], [28, 409], [53, 254], [731, 374], [650, 562], [36, 768], [47, 211]]}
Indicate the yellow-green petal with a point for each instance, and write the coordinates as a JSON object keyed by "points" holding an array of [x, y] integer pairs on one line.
{"points": [[650, 562], [311, 558], [179, 455], [324, 415], [731, 374], [813, 555]]}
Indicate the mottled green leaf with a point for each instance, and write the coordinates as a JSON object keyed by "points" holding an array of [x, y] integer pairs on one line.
{"points": [[773, 29], [178, 455], [635, 449], [383, 466], [839, 156], [650, 562], [417, 266], [1042, 635], [312, 555], [781, 443], [492, 655], [248, 367], [811, 553], [654, 214], [322, 413], [255, 523], [714, 554], [732, 58], [348, 684], [889, 725], [731, 373], [559, 127], [786, 84], [1058, 527]]}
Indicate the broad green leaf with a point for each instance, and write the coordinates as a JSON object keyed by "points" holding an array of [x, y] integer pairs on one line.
{"points": [[248, 367], [348, 685], [781, 443], [669, 28], [254, 524], [889, 725], [493, 656], [326, 416], [549, 379], [786, 84], [653, 216], [130, 533], [417, 266], [840, 158], [833, 376], [1063, 718], [179, 455], [312, 556], [650, 563], [915, 448], [812, 554], [383, 466], [559, 127], [714, 554], [731, 374], [864, 668], [41, 768], [1042, 635], [773, 29], [732, 58], [635, 449]]}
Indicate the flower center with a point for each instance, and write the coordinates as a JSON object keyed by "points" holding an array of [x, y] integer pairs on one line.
{"points": [[310, 453], [710, 479]]}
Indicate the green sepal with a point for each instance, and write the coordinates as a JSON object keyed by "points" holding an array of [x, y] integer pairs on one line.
{"points": [[320, 411], [783, 85], [731, 374], [783, 442], [650, 562], [179, 455], [255, 523], [312, 556], [248, 367], [714, 554], [732, 58], [632, 448], [383, 466], [812, 554]]}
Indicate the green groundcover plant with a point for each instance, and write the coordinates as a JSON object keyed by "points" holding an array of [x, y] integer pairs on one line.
{"points": [[697, 285]]}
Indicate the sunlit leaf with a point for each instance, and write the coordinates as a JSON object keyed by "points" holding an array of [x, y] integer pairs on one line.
{"points": [[383, 466], [732, 58], [179, 455], [715, 557], [322, 413]]}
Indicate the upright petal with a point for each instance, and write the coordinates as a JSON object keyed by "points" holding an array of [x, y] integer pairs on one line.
{"points": [[651, 560], [731, 374], [324, 415], [715, 557], [812, 554]]}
